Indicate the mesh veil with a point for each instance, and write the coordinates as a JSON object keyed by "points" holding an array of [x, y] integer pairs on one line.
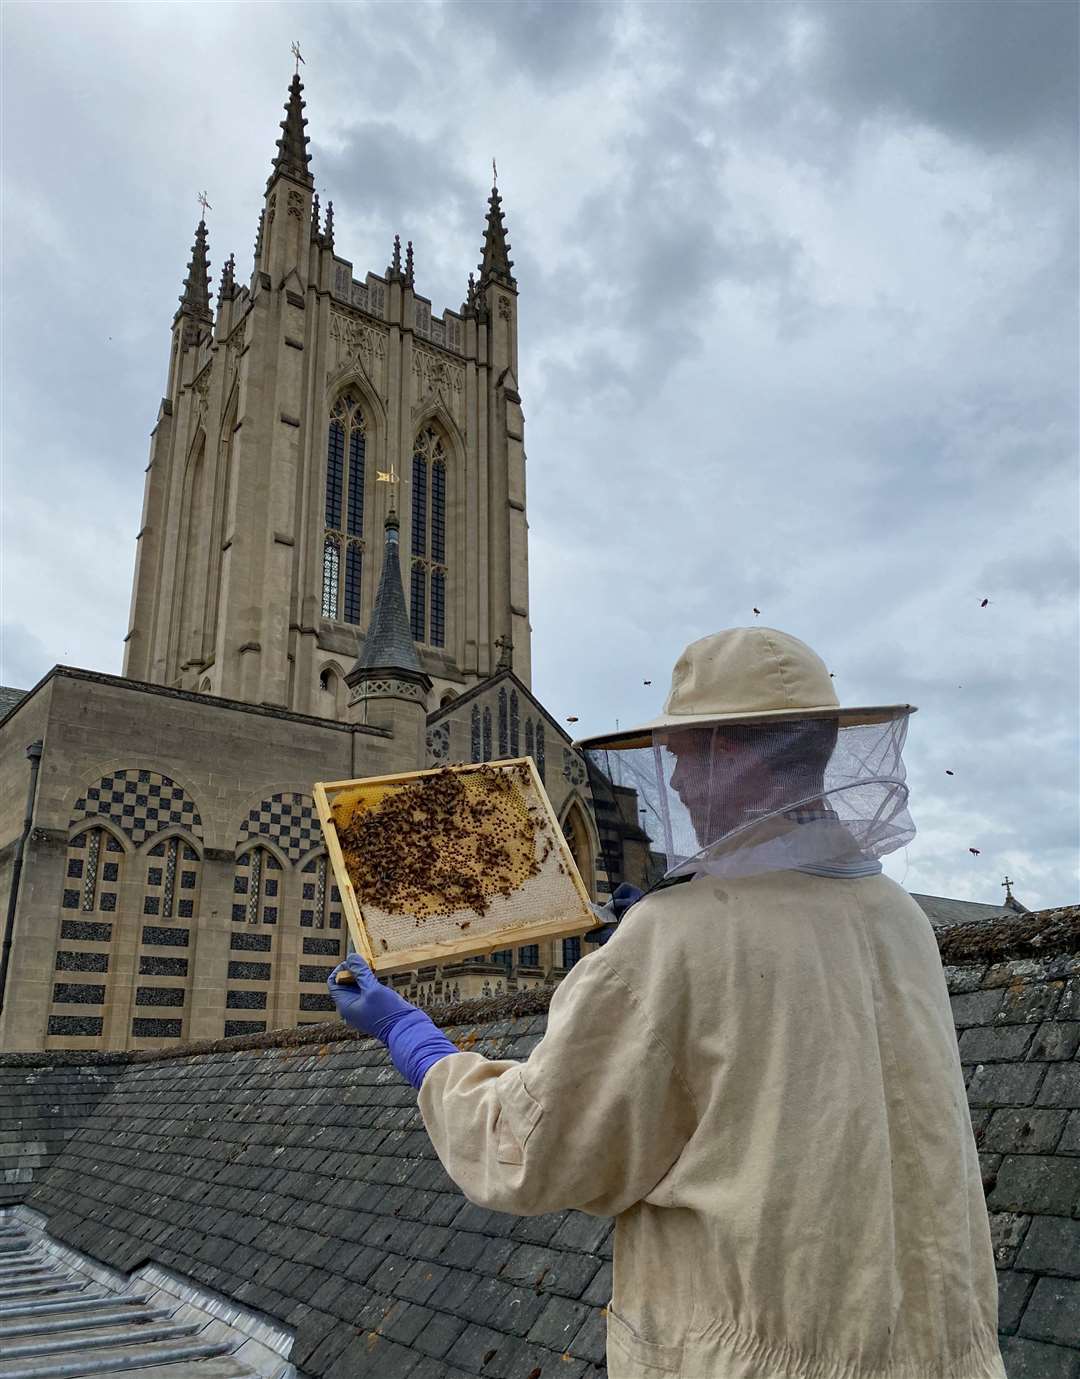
{"points": [[739, 799]]}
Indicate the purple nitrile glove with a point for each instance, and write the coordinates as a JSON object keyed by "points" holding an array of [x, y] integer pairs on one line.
{"points": [[624, 896], [411, 1037]]}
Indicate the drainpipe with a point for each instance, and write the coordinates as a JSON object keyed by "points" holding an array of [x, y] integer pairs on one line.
{"points": [[34, 753]]}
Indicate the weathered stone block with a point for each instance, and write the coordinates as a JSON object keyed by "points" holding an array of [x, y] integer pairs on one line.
{"points": [[1014, 1289], [995, 1044], [1029, 1002], [1053, 1314], [1068, 1007], [1036, 1184], [1055, 1040], [1007, 1230], [1062, 1085], [1027, 1131], [975, 1008], [1070, 1139], [1032, 1360], [1052, 1246], [1006, 1084], [959, 979]]}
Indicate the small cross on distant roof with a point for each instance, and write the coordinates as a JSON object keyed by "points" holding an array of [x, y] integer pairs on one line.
{"points": [[1007, 883], [299, 59], [204, 203]]}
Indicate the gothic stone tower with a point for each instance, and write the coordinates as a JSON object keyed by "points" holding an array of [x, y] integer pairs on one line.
{"points": [[261, 539]]}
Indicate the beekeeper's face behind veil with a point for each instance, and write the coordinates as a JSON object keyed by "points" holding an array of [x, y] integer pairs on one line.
{"points": [[754, 766]]}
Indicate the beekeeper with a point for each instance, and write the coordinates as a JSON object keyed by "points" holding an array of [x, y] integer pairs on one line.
{"points": [[757, 1075]]}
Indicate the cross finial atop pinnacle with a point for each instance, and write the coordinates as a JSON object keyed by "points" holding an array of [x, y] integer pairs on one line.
{"points": [[195, 299], [295, 50], [201, 198], [292, 155], [494, 174], [496, 262], [1007, 883]]}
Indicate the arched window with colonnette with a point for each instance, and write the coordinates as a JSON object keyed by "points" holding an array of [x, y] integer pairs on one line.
{"points": [[343, 538], [427, 581]]}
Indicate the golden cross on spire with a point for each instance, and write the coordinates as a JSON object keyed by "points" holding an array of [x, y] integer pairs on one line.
{"points": [[204, 203], [296, 54]]}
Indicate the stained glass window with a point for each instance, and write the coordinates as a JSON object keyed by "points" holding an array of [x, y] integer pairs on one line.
{"points": [[503, 725], [487, 732], [427, 604], [540, 749], [417, 600], [477, 748], [529, 746], [514, 736], [331, 570], [353, 565], [345, 460]]}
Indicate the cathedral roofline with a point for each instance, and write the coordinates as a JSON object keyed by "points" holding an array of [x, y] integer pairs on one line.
{"points": [[489, 683], [191, 696]]}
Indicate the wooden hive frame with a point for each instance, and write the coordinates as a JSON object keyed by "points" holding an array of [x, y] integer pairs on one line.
{"points": [[325, 794]]}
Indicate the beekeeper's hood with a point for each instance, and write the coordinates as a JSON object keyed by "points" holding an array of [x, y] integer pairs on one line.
{"points": [[754, 766]]}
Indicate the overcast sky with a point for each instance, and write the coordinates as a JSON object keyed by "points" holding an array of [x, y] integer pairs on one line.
{"points": [[798, 332]]}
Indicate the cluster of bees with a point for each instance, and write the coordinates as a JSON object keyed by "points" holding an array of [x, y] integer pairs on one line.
{"points": [[448, 842]]}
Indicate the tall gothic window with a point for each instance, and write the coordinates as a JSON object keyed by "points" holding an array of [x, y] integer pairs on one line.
{"points": [[343, 540], [172, 878], [427, 584], [256, 888], [93, 872]]}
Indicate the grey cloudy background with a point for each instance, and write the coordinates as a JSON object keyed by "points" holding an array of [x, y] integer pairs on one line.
{"points": [[798, 331]]}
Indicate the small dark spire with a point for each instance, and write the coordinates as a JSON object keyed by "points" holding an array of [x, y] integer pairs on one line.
{"points": [[409, 264], [259, 238], [293, 159], [393, 269], [227, 290], [316, 229], [496, 262], [328, 234], [195, 299], [389, 643]]}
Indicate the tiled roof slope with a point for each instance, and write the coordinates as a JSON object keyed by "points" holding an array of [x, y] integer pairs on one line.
{"points": [[296, 1178]]}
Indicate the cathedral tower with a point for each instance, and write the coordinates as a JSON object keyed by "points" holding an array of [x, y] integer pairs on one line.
{"points": [[261, 543]]}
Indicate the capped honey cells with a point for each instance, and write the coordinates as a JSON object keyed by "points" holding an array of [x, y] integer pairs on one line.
{"points": [[446, 843]]}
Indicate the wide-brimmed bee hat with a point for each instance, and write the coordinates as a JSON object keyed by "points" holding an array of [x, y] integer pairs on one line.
{"points": [[747, 675]]}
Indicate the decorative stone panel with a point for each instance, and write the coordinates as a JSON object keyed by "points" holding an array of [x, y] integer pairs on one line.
{"points": [[286, 820], [141, 803]]}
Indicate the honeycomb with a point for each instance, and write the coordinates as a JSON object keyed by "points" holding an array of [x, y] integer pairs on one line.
{"points": [[452, 855]]}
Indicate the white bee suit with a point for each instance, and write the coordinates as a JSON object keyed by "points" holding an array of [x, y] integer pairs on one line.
{"points": [[758, 1078]]}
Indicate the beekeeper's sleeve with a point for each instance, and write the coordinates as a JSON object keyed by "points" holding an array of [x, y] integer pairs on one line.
{"points": [[593, 1120]]}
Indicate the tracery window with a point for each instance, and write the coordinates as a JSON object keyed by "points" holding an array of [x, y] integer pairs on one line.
{"points": [[427, 582], [475, 741], [256, 888], [487, 732], [504, 736], [540, 754], [93, 872], [172, 878], [320, 899], [343, 540], [514, 737]]}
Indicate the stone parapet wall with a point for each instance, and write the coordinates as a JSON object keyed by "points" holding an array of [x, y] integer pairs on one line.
{"points": [[1018, 1025]]}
